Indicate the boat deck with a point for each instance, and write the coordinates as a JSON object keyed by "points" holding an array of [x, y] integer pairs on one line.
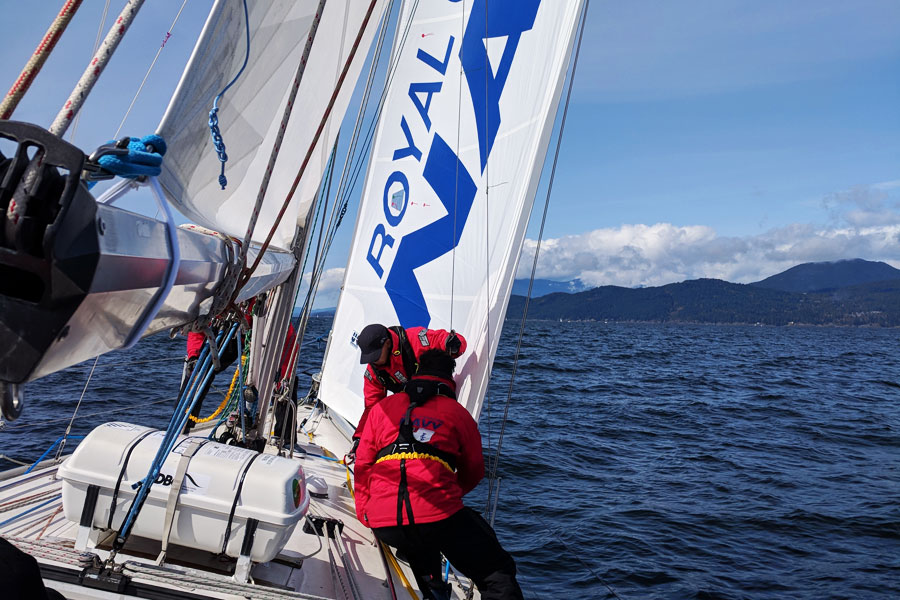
{"points": [[351, 565]]}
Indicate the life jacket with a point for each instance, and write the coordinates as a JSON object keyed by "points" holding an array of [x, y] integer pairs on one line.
{"points": [[407, 447], [410, 364]]}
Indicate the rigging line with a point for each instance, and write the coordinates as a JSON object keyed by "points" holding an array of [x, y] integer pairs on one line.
{"points": [[93, 51], [315, 141], [62, 444], [282, 129], [351, 152], [358, 160], [147, 74], [345, 190], [462, 31], [392, 70], [300, 330], [487, 225], [95, 68], [537, 251], [360, 117], [140, 362]]}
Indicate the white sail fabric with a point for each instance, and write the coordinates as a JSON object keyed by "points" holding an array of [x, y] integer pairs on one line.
{"points": [[438, 237], [251, 110]]}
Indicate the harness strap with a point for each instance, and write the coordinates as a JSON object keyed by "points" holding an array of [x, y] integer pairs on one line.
{"points": [[112, 504], [389, 383], [403, 495], [237, 496], [410, 364], [407, 447], [193, 445]]}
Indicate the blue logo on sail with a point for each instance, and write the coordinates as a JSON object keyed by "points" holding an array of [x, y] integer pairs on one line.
{"points": [[444, 172]]}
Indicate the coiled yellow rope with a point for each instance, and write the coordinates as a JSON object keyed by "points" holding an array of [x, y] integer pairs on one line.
{"points": [[224, 403]]}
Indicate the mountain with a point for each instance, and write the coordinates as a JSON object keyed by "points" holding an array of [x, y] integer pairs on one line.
{"points": [[542, 287], [823, 276], [714, 301]]}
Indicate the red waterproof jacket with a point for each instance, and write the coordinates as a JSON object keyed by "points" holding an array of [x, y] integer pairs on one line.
{"points": [[420, 340], [435, 491]]}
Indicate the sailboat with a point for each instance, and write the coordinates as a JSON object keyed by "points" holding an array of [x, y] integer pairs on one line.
{"points": [[238, 508]]}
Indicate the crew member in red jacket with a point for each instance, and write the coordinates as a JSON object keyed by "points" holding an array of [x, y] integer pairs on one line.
{"points": [[419, 454], [392, 354]]}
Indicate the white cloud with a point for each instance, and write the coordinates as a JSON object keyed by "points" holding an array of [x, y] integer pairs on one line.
{"points": [[329, 288], [865, 223]]}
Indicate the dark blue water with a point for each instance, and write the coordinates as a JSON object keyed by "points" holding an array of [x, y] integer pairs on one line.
{"points": [[642, 460]]}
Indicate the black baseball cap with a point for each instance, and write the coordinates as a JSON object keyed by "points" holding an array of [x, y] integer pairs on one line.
{"points": [[370, 341]]}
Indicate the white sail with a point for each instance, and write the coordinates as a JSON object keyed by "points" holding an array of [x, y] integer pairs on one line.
{"points": [[451, 181], [250, 111]]}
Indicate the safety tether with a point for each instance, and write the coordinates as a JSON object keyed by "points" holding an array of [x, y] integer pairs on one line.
{"points": [[218, 142]]}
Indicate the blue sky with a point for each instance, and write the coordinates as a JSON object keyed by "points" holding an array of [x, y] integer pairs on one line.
{"points": [[720, 138]]}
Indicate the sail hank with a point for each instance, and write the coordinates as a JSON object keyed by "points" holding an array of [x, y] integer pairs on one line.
{"points": [[250, 113], [451, 182]]}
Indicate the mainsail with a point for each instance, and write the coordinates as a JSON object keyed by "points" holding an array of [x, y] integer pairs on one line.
{"points": [[451, 181], [250, 111]]}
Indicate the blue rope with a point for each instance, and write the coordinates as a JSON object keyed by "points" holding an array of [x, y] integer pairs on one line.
{"points": [[176, 425], [218, 142], [323, 457], [30, 510], [50, 449]]}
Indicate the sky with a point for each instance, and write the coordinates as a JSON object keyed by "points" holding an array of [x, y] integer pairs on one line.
{"points": [[722, 138]]}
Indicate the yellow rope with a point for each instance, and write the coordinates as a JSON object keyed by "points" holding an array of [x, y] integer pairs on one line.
{"points": [[396, 566], [222, 406], [414, 455], [385, 548]]}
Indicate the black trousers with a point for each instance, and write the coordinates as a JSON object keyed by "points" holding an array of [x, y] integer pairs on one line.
{"points": [[468, 542], [20, 577]]}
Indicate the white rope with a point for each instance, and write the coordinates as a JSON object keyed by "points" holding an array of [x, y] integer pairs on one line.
{"points": [[75, 412], [47, 550], [152, 64], [15, 460], [195, 579], [30, 500], [170, 575]]}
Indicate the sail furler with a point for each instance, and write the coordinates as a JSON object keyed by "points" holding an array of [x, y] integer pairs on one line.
{"points": [[451, 181], [250, 111]]}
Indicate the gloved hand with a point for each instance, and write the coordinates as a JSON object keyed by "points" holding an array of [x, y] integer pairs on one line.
{"points": [[144, 158], [453, 344], [350, 457]]}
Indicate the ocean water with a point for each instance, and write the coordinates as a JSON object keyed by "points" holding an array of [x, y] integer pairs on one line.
{"points": [[638, 460]]}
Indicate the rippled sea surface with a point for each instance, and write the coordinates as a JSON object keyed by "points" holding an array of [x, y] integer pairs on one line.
{"points": [[639, 460]]}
